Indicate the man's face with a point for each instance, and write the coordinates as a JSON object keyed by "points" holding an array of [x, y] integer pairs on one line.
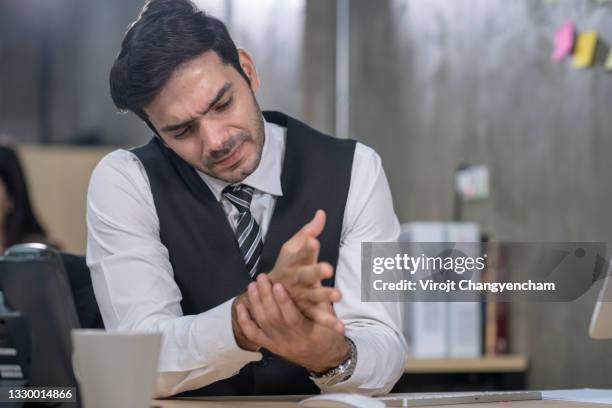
{"points": [[207, 114]]}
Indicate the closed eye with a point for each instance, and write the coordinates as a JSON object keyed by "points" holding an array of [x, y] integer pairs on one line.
{"points": [[183, 133], [221, 108]]}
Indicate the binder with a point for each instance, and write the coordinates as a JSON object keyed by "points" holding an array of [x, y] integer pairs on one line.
{"points": [[426, 323], [465, 318], [443, 329]]}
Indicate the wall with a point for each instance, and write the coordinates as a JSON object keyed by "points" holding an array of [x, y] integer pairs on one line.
{"points": [[72, 44], [439, 83], [58, 178]]}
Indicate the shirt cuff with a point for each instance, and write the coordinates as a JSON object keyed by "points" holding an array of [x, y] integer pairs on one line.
{"points": [[221, 348]]}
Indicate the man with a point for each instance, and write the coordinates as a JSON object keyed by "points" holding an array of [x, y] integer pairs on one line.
{"points": [[224, 231]]}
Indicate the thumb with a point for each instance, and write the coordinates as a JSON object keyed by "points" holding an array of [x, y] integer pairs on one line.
{"points": [[316, 225], [304, 245]]}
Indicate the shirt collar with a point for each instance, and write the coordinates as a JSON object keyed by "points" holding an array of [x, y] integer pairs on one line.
{"points": [[267, 176]]}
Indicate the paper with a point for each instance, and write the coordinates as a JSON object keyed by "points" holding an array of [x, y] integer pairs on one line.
{"points": [[580, 395], [472, 183], [584, 52], [564, 41], [608, 64]]}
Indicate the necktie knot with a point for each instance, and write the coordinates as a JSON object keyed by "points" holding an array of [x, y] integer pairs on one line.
{"points": [[240, 195]]}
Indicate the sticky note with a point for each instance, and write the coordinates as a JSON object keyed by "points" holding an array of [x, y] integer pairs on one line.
{"points": [[584, 53], [564, 41], [608, 64]]}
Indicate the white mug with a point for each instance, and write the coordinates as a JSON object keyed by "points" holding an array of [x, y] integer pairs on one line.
{"points": [[115, 369]]}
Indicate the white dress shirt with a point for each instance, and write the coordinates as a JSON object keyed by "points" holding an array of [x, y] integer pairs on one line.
{"points": [[135, 288]]}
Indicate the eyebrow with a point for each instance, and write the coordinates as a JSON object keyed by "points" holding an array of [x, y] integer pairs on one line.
{"points": [[226, 87]]}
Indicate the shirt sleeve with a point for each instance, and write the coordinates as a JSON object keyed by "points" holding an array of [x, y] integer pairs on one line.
{"points": [[134, 283], [374, 327]]}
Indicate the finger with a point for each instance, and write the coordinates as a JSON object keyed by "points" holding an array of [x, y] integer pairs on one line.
{"points": [[291, 315], [325, 318], [315, 247], [311, 274], [250, 329], [314, 226], [306, 250], [256, 307], [323, 294], [339, 327], [264, 289], [299, 250], [311, 230], [309, 252]]}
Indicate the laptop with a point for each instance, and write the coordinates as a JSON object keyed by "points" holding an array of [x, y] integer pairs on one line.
{"points": [[451, 398]]}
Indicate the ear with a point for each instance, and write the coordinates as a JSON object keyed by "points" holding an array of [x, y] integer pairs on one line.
{"points": [[248, 66]]}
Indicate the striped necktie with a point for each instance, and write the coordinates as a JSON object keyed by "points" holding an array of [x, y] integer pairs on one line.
{"points": [[248, 233]]}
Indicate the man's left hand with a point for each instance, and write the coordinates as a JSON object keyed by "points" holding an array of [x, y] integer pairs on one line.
{"points": [[274, 322]]}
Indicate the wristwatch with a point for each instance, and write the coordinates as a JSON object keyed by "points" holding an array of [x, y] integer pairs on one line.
{"points": [[341, 373]]}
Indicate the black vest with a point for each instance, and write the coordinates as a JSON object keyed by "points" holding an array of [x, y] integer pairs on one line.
{"points": [[207, 264]]}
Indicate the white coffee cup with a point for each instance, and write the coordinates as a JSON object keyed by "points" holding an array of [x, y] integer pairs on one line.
{"points": [[115, 369]]}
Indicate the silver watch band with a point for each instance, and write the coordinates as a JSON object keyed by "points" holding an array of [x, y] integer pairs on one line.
{"points": [[340, 373]]}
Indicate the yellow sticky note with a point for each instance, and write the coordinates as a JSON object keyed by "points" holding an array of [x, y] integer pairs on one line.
{"points": [[608, 64], [584, 52]]}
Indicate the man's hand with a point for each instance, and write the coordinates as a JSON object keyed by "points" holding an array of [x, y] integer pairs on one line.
{"points": [[296, 268], [275, 322], [241, 339]]}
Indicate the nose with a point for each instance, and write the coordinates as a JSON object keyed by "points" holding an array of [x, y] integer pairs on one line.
{"points": [[213, 136]]}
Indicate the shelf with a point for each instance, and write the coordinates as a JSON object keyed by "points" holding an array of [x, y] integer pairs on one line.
{"points": [[493, 364]]}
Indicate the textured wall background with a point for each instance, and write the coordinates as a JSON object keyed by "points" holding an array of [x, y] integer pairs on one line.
{"points": [[437, 83]]}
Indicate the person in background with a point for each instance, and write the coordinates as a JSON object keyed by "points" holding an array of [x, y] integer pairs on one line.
{"points": [[18, 222]]}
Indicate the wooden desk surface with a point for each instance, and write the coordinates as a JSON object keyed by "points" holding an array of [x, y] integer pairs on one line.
{"points": [[291, 402]]}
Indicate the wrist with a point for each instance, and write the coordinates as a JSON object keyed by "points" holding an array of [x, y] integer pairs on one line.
{"points": [[340, 373], [340, 355]]}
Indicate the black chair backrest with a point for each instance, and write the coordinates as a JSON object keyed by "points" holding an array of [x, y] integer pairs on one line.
{"points": [[82, 291], [34, 283]]}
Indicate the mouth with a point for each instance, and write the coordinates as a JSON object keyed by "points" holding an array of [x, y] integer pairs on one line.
{"points": [[231, 158]]}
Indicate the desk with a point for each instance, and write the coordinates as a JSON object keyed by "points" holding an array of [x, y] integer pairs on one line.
{"points": [[291, 402]]}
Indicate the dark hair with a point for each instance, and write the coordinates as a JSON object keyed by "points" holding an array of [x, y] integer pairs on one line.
{"points": [[21, 222], [166, 34]]}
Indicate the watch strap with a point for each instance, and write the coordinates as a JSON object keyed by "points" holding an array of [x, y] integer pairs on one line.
{"points": [[340, 373]]}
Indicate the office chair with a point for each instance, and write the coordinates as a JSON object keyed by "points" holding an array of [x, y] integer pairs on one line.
{"points": [[82, 291], [35, 284]]}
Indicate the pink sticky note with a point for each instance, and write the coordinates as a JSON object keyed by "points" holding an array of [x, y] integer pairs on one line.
{"points": [[564, 41]]}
